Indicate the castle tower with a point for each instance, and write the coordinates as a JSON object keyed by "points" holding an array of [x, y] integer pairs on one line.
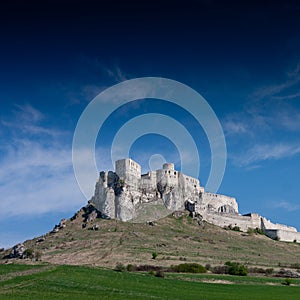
{"points": [[129, 171], [168, 166]]}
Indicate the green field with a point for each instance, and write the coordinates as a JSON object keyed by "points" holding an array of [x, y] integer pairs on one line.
{"points": [[74, 282]]}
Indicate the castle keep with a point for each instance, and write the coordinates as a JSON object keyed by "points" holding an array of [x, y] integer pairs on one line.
{"points": [[128, 195]]}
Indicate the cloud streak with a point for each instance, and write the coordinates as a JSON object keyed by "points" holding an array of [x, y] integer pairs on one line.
{"points": [[265, 152], [36, 174]]}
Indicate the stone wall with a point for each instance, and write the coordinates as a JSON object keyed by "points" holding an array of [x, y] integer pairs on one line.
{"points": [[225, 220], [210, 202], [283, 235], [267, 224]]}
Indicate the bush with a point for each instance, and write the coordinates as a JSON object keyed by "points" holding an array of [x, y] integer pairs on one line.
{"points": [[269, 271], [120, 267], [230, 227], [236, 228], [255, 230], [152, 273], [208, 267], [295, 266], [130, 268], [220, 270], [287, 281], [29, 253], [37, 255], [146, 268], [160, 274], [236, 269], [189, 268], [154, 255], [261, 270]]}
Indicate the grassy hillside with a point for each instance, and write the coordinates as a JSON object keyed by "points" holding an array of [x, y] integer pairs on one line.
{"points": [[174, 239], [75, 282]]}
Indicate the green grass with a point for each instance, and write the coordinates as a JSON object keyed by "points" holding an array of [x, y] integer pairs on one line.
{"points": [[73, 282]]}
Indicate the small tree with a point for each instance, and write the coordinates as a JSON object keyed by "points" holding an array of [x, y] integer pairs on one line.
{"points": [[160, 274], [236, 269], [287, 281], [120, 267], [154, 255]]}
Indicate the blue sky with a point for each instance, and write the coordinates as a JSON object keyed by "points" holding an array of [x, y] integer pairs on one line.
{"points": [[56, 56]]}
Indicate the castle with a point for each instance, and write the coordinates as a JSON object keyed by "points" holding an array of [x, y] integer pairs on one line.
{"points": [[128, 195]]}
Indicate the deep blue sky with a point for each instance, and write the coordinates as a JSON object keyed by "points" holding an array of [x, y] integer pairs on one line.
{"points": [[56, 56]]}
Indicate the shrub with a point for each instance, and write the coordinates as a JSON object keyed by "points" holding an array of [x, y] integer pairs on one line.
{"points": [[29, 253], [37, 255], [295, 266], [269, 271], [146, 268], [189, 268], [236, 269], [220, 270], [152, 273], [236, 228], [208, 267], [130, 268], [255, 230], [160, 274], [154, 255], [287, 281], [120, 267]]}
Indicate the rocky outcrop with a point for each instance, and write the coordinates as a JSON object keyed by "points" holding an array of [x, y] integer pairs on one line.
{"points": [[18, 251]]}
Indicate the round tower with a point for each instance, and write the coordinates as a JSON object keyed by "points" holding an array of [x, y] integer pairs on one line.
{"points": [[168, 166]]}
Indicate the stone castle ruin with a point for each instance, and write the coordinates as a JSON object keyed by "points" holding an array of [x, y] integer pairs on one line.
{"points": [[128, 195]]}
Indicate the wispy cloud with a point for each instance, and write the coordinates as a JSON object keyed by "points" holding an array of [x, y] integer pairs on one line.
{"points": [[288, 206], [36, 174], [116, 73], [264, 152], [272, 90]]}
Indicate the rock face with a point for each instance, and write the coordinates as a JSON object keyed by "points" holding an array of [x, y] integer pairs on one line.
{"points": [[18, 251], [127, 195]]}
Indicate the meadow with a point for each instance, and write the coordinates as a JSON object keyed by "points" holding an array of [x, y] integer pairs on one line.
{"points": [[80, 282]]}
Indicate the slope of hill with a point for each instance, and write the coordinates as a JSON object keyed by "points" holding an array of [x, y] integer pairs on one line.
{"points": [[175, 238]]}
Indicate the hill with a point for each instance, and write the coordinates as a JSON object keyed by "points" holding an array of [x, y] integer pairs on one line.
{"points": [[175, 238]]}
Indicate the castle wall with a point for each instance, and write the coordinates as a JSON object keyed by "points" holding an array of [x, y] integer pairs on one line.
{"points": [[283, 235], [214, 203], [267, 224], [149, 180], [224, 220]]}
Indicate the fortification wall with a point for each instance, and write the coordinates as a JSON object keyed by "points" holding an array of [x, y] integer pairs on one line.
{"points": [[214, 203], [149, 181], [267, 224], [224, 220], [283, 235]]}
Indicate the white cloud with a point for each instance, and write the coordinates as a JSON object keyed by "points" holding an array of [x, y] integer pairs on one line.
{"points": [[263, 152], [288, 206], [36, 174], [232, 127], [27, 113], [272, 90]]}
